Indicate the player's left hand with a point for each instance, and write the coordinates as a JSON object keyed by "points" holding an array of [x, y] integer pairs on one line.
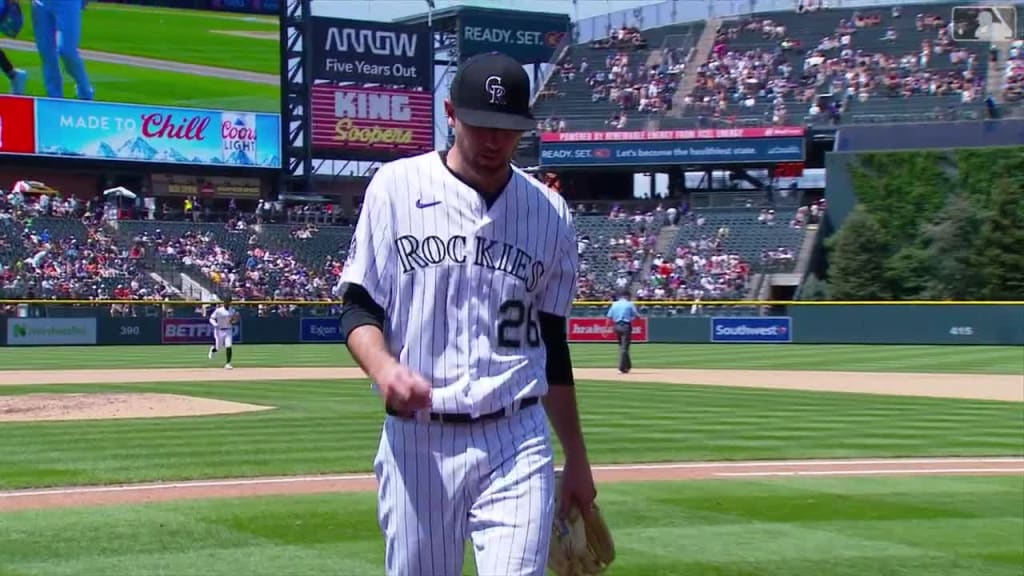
{"points": [[577, 487]]}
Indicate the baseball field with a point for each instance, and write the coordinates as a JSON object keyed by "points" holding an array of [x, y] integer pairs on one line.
{"points": [[717, 460], [162, 56]]}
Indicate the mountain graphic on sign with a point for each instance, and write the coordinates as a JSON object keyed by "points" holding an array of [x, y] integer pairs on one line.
{"points": [[240, 158], [136, 149], [60, 151], [272, 162], [171, 155], [105, 151]]}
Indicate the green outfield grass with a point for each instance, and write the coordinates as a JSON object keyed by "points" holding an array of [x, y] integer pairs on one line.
{"points": [[334, 426], [177, 35], [861, 358], [128, 84], [963, 526]]}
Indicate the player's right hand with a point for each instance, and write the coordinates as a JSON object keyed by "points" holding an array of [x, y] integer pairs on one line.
{"points": [[404, 390]]}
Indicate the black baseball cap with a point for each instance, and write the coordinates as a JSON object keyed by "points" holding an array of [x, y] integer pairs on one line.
{"points": [[491, 90]]}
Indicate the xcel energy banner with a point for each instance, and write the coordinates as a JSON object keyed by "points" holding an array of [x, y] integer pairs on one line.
{"points": [[529, 37], [655, 152]]}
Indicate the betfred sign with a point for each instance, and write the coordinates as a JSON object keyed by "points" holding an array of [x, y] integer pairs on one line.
{"points": [[600, 330], [193, 331]]}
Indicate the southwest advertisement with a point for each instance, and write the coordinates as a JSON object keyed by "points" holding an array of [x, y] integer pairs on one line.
{"points": [[758, 329], [372, 52], [51, 331], [661, 152], [529, 37], [599, 329], [126, 132], [320, 330], [152, 52], [193, 331], [380, 124]]}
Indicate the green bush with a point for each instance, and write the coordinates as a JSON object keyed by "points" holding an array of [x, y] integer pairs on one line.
{"points": [[932, 225]]}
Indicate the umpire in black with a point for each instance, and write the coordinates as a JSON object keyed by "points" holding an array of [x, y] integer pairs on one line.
{"points": [[622, 313]]}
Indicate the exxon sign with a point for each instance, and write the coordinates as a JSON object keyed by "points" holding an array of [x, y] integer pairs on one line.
{"points": [[372, 52]]}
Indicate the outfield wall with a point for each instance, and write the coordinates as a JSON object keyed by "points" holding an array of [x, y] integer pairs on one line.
{"points": [[821, 324]]}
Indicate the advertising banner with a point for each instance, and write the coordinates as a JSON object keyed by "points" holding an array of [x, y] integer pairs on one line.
{"points": [[125, 132], [51, 331], [529, 37], [206, 187], [392, 123], [193, 331], [660, 152], [320, 330], [17, 125], [372, 52], [599, 329], [739, 329], [647, 135]]}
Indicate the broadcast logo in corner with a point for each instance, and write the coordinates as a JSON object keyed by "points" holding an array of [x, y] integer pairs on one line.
{"points": [[983, 23], [778, 329]]}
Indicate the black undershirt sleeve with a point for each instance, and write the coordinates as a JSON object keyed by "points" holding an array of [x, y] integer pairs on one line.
{"points": [[559, 368], [359, 309]]}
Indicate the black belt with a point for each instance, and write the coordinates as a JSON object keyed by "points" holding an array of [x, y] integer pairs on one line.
{"points": [[468, 419]]}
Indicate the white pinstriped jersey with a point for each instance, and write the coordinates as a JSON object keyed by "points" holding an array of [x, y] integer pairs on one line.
{"points": [[462, 284], [221, 317]]}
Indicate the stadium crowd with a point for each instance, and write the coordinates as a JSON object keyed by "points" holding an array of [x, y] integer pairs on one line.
{"points": [[1013, 75]]}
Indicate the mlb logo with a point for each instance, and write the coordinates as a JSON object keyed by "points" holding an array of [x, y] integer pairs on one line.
{"points": [[984, 23]]}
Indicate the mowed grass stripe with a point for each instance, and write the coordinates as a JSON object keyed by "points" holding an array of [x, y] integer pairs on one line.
{"points": [[956, 526], [864, 358], [334, 426], [187, 37]]}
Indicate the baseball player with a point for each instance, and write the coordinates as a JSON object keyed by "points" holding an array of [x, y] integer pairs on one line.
{"points": [[57, 25], [460, 276], [11, 23], [223, 319]]}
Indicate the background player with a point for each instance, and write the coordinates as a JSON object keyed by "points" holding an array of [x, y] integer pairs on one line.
{"points": [[223, 318], [57, 25], [11, 23], [622, 313], [460, 276]]}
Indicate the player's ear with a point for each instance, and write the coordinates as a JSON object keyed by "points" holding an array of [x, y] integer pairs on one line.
{"points": [[449, 113]]}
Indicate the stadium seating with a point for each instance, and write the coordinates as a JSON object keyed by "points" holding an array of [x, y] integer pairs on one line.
{"points": [[790, 68], [601, 85]]}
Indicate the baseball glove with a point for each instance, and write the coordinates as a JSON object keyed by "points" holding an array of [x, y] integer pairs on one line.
{"points": [[580, 545]]}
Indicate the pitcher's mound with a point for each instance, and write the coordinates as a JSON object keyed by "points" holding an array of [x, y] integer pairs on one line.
{"points": [[102, 406]]}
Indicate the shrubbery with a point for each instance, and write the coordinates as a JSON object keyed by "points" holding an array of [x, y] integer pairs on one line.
{"points": [[936, 225]]}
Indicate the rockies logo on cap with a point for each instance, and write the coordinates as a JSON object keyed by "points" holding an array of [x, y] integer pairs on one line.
{"points": [[492, 90]]}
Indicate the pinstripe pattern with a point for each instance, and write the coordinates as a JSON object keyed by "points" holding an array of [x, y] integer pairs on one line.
{"points": [[463, 282], [441, 484]]}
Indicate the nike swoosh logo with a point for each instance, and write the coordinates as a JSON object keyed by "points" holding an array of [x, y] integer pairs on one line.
{"points": [[420, 204]]}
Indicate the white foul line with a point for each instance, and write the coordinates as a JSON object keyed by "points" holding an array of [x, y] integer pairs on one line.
{"points": [[839, 462]]}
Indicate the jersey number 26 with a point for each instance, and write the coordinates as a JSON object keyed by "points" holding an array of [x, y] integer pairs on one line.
{"points": [[514, 314]]}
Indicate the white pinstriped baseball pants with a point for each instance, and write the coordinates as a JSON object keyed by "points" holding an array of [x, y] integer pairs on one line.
{"points": [[443, 483]]}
